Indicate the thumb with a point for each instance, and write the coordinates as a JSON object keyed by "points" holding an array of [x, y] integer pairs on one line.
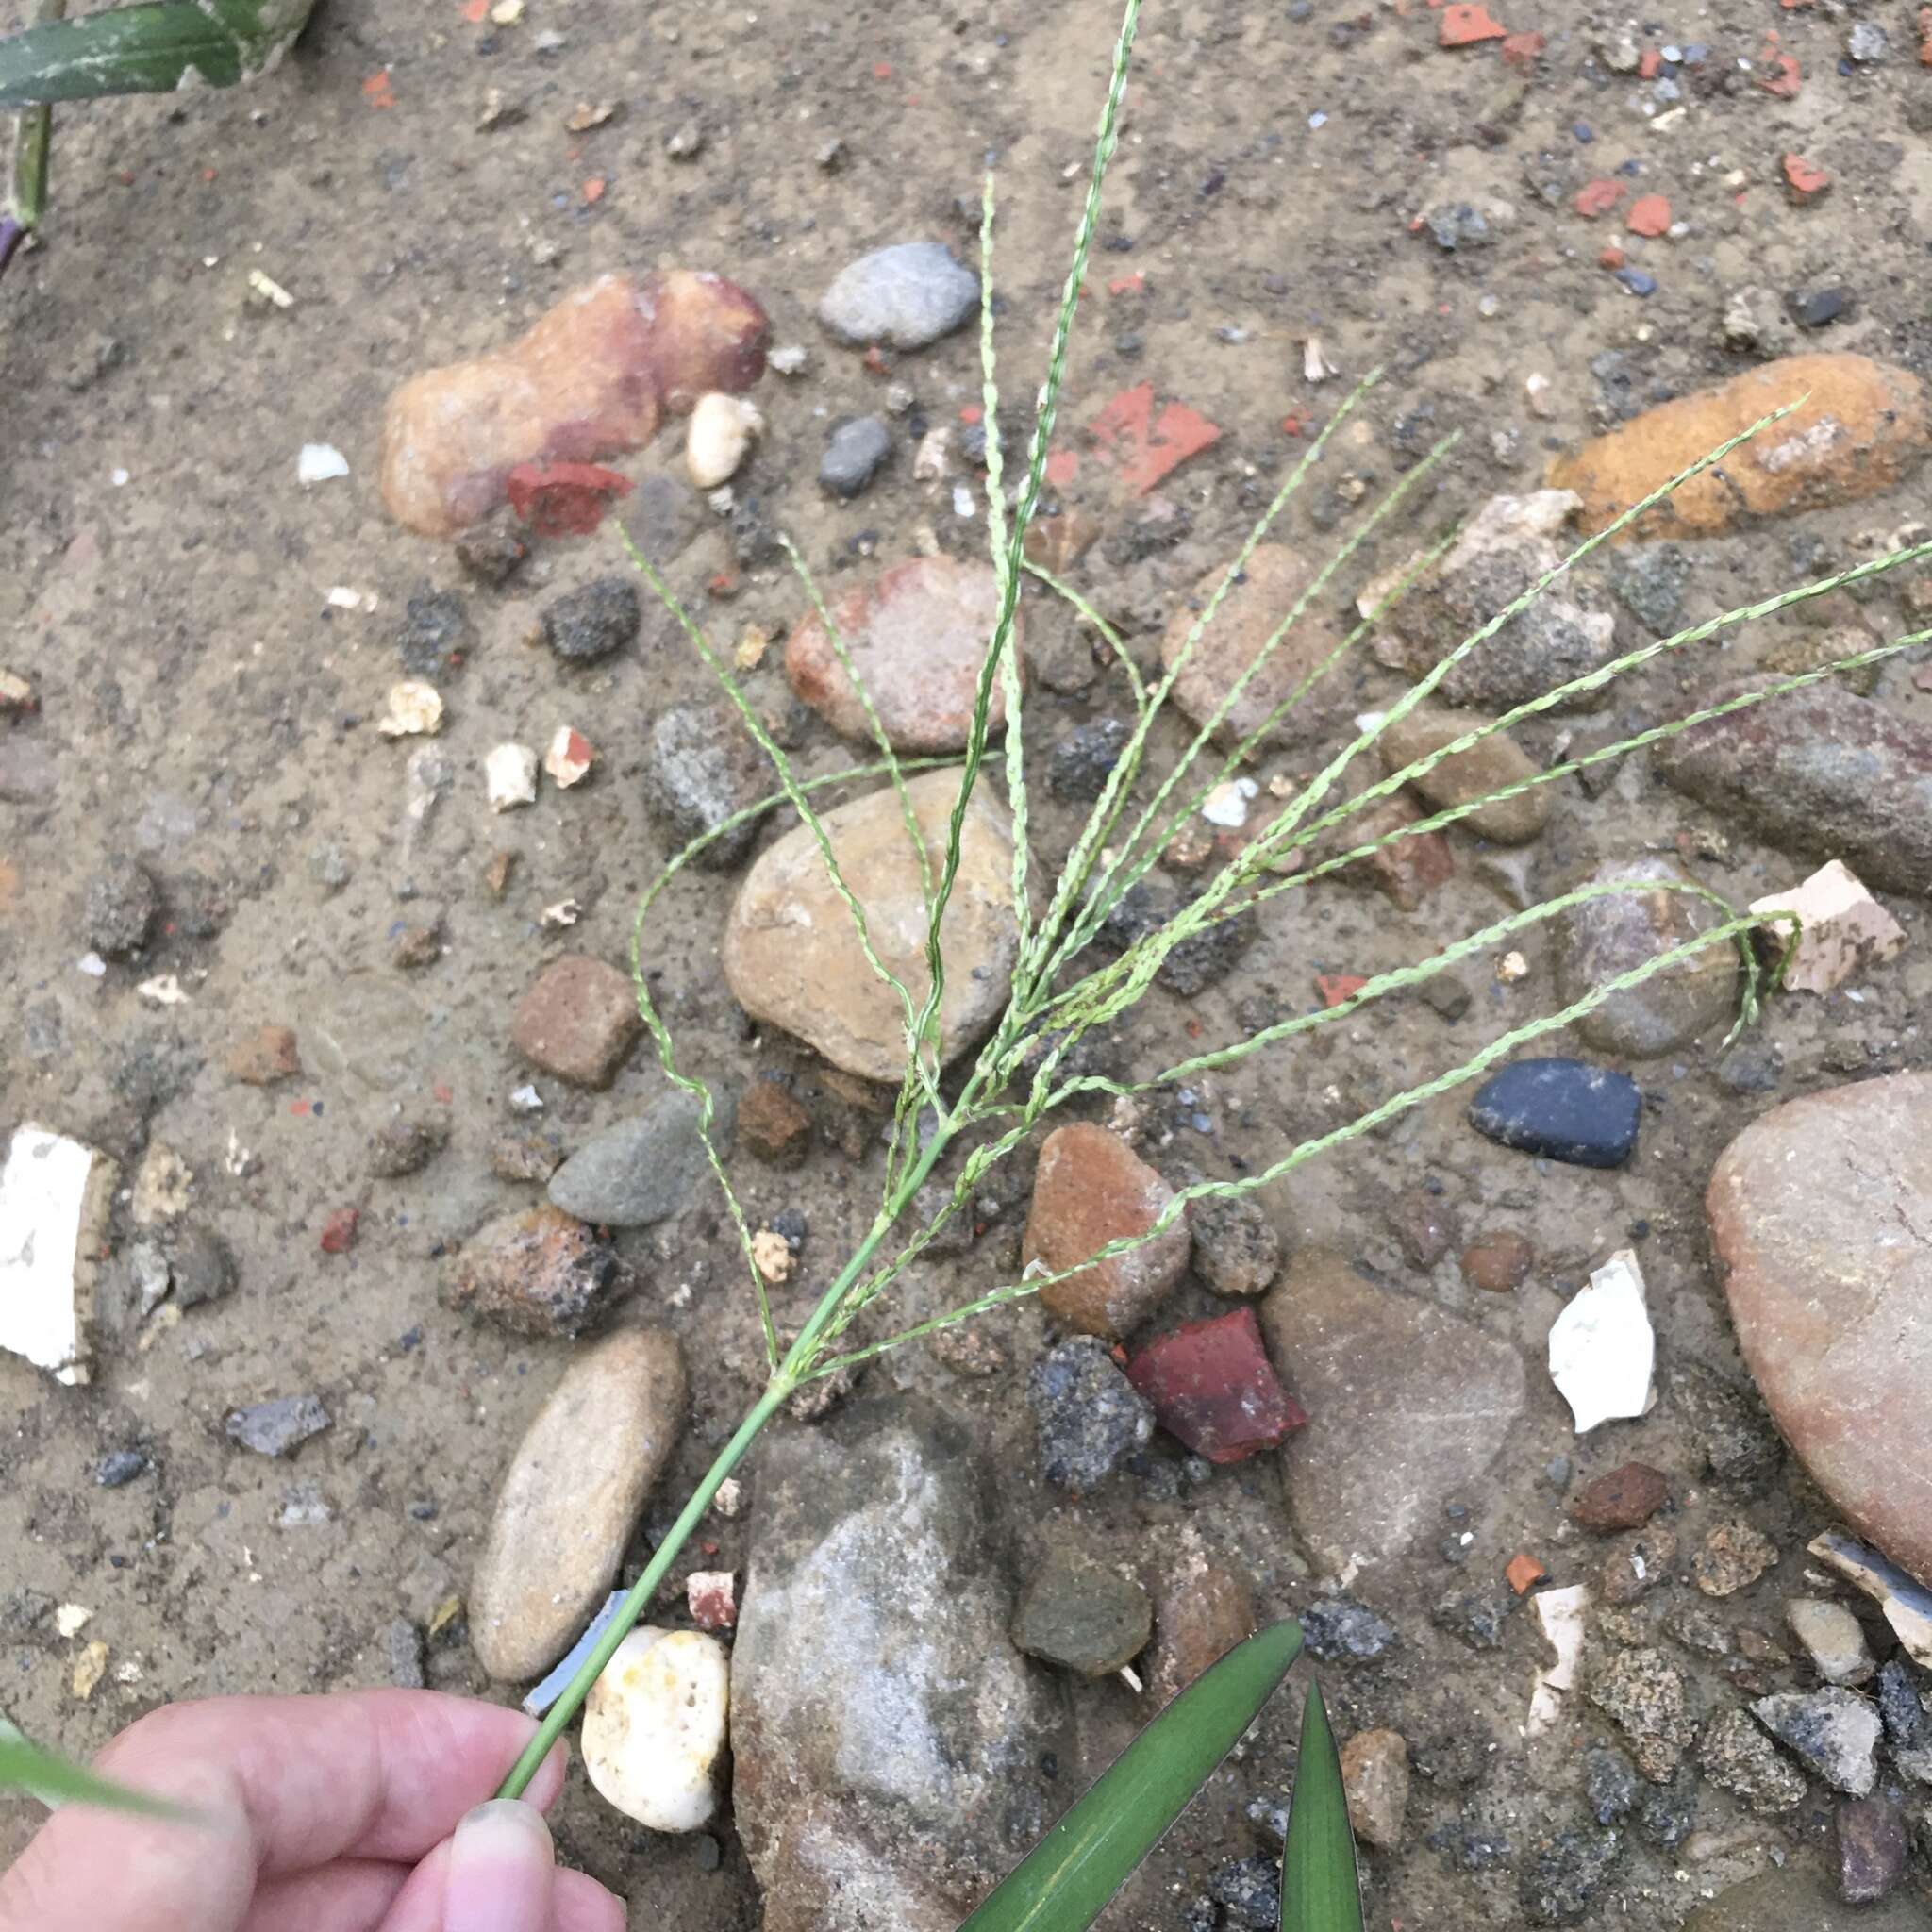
{"points": [[500, 1872]]}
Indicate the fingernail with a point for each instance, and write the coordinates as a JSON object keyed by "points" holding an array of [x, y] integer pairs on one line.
{"points": [[500, 1868]]}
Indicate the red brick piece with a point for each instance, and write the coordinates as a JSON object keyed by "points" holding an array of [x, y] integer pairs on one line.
{"points": [[578, 1022], [339, 1231], [1212, 1386], [1598, 197], [1463, 26], [1336, 987], [1806, 179], [1650, 215], [1521, 50], [1141, 446], [1627, 1498], [1523, 1570]]}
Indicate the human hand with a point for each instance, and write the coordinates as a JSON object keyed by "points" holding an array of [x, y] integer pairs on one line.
{"points": [[359, 1813]]}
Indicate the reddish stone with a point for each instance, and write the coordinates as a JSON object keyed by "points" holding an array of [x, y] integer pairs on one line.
{"points": [[772, 1125], [1143, 447], [711, 1595], [1782, 73], [563, 499], [1062, 466], [1626, 1498], [1498, 1261], [339, 1231], [1650, 64], [1336, 987], [1212, 1386], [1127, 284], [578, 1022], [1523, 1570], [1521, 50], [1806, 179], [1201, 1613], [1407, 868], [538, 1272], [266, 1056], [1598, 197], [1650, 215], [1611, 256], [1464, 25]]}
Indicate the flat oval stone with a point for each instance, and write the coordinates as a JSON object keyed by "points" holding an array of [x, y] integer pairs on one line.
{"points": [[1489, 765], [1821, 1213], [902, 296], [571, 1499], [1560, 1110], [639, 1170], [654, 1724]]}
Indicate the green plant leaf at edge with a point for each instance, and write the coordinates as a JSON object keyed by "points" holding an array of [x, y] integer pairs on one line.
{"points": [[1065, 1881], [156, 47], [26, 1768], [1321, 1887]]}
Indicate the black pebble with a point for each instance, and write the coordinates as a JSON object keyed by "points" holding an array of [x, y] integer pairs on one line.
{"points": [[120, 1466], [1816, 307], [1561, 1109]]}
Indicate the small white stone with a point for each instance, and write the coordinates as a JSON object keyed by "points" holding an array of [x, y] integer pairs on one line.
{"points": [[510, 773], [655, 1727], [70, 1620], [1601, 1348], [933, 458], [569, 757], [92, 965], [1561, 1613], [527, 1100], [1844, 931], [722, 429], [164, 990], [319, 462], [1834, 1639], [54, 1195], [789, 358], [415, 710], [1227, 804]]}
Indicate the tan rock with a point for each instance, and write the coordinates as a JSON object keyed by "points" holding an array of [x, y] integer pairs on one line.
{"points": [[1201, 1612], [917, 635], [1843, 930], [1274, 582], [1090, 1188], [571, 1498], [791, 953], [1487, 766], [590, 379], [1374, 1775], [1862, 428]]}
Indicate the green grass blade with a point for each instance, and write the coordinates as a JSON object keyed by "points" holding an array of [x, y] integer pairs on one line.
{"points": [[1064, 1883], [26, 1768], [1321, 1888], [153, 48]]}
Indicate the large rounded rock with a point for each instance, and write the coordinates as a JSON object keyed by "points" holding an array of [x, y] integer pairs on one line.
{"points": [[1822, 1217], [1602, 938], [1090, 1188], [792, 952], [1271, 587], [1489, 765], [1407, 1406], [917, 635], [1859, 428], [887, 1737], [571, 1500]]}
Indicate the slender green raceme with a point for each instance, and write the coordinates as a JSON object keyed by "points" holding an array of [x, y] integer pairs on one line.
{"points": [[963, 1125]]}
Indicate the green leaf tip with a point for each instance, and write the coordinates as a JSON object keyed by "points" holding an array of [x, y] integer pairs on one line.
{"points": [[36, 1773], [1321, 1887]]}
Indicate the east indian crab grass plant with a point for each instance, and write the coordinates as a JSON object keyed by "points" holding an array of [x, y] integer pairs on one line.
{"points": [[1026, 1070]]}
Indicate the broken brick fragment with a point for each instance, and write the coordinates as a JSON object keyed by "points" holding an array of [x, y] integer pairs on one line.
{"points": [[1650, 215], [1213, 1387], [1806, 179], [1598, 197], [1464, 25]]}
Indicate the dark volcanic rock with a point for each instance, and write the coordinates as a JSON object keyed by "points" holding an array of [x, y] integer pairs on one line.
{"points": [[1561, 1109]]}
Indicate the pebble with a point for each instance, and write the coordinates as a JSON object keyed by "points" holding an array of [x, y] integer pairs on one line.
{"points": [[406, 1145], [1564, 1873], [119, 1467], [1741, 1450], [1795, 1897], [1338, 1630], [1249, 1893], [1861, 427], [1214, 1390], [1498, 1261], [277, 1427], [1197, 962], [1407, 868], [1609, 1784], [1078, 765], [1622, 1498], [641, 1171], [1374, 1776], [701, 767], [1868, 42], [402, 1647], [1736, 1756], [1641, 1692], [1819, 307], [1087, 1413], [1426, 1227], [1603, 1351], [1560, 1110], [854, 453], [571, 1498], [1355, 1354], [1834, 1731], [434, 636], [509, 776], [722, 430], [916, 634], [536, 1272], [1637, 1563], [526, 1153], [1870, 1835], [1819, 1213], [1202, 1609], [415, 710], [1237, 1250], [885, 1545], [1273, 582], [493, 550], [1604, 938], [122, 903], [591, 378], [578, 1022], [1732, 1556], [1083, 1615], [1487, 766], [1843, 932], [655, 1725], [588, 624], [1507, 547], [772, 1125], [900, 297], [1476, 1617], [567, 757], [264, 1057], [1089, 1189], [1649, 580], [792, 959]]}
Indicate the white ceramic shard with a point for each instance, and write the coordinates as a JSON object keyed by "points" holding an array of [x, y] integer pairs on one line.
{"points": [[1602, 1347], [54, 1199]]}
